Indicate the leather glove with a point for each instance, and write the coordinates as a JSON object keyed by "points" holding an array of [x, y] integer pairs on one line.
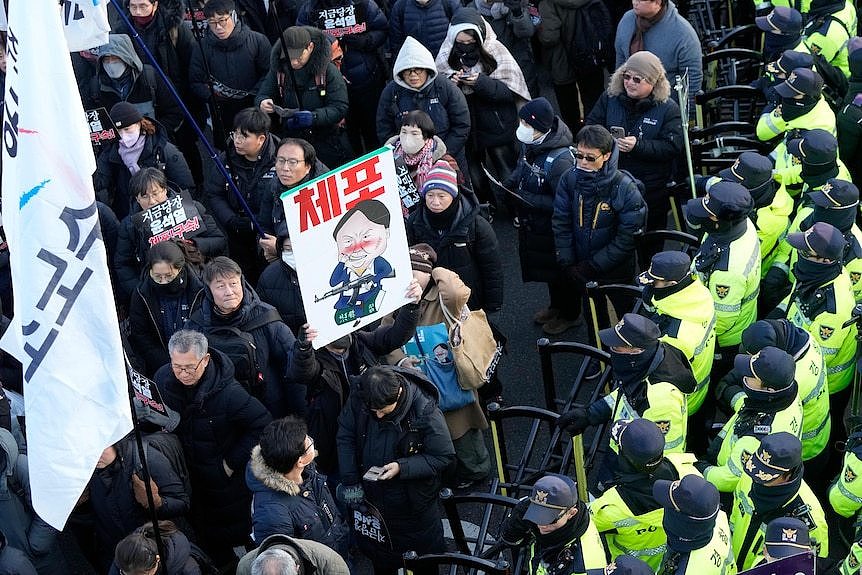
{"points": [[350, 494], [300, 120], [240, 224], [140, 492], [575, 421], [702, 465]]}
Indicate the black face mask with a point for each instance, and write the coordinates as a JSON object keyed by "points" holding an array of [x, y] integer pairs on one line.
{"points": [[770, 499], [815, 175], [842, 219], [632, 368], [814, 274], [171, 289], [468, 54], [792, 108], [775, 44], [763, 194]]}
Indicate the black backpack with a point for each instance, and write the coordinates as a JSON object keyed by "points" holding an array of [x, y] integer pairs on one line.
{"points": [[592, 38], [238, 344], [168, 445]]}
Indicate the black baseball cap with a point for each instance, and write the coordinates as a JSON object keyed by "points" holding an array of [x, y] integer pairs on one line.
{"points": [[692, 496], [822, 239], [789, 61], [774, 367], [551, 496], [782, 20], [671, 265], [800, 82], [640, 440], [725, 201], [750, 169], [786, 536], [297, 39], [632, 330], [815, 147], [778, 453], [835, 194]]}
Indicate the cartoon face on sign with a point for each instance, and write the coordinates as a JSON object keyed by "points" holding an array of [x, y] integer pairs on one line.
{"points": [[362, 236]]}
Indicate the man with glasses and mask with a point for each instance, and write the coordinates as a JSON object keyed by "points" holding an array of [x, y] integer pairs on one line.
{"points": [[598, 212], [220, 425], [393, 445], [289, 496], [250, 161], [227, 66]]}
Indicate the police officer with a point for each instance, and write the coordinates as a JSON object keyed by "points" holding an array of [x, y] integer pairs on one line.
{"points": [[777, 71], [627, 513], [772, 204], [845, 495], [728, 263], [652, 380], [815, 153], [555, 528], [698, 535], [683, 309], [822, 299], [772, 487], [827, 31], [810, 377], [785, 537], [802, 107], [782, 29], [771, 404]]}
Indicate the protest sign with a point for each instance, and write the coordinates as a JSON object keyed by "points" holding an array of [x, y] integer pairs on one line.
{"points": [[802, 564], [147, 393], [342, 20], [101, 127], [177, 217], [350, 245]]}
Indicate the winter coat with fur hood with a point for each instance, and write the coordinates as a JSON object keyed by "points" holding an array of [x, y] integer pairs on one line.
{"points": [[281, 506]]}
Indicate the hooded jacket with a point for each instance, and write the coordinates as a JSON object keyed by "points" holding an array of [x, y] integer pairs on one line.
{"points": [[426, 23], [439, 98], [306, 510], [315, 557], [240, 61], [415, 436], [220, 424], [147, 335], [469, 248], [112, 177], [655, 122], [597, 219], [672, 39], [539, 170], [139, 86], [285, 367], [13, 561]]}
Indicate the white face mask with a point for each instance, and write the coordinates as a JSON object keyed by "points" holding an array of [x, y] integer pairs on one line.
{"points": [[524, 134], [587, 170], [114, 69], [288, 258], [130, 135], [411, 144]]}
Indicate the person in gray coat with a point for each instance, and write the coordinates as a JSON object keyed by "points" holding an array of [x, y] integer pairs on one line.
{"points": [[294, 556]]}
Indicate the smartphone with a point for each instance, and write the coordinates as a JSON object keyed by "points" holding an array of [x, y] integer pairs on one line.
{"points": [[618, 132], [373, 473]]}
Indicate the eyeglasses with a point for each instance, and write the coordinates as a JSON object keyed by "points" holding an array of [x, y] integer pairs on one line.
{"points": [[220, 23], [180, 369], [310, 445], [587, 157], [155, 196], [290, 162], [414, 71], [240, 137], [164, 278], [632, 78]]}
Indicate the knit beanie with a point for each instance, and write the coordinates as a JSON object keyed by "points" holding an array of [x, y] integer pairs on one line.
{"points": [[538, 114], [124, 115], [441, 177], [422, 258], [645, 64]]}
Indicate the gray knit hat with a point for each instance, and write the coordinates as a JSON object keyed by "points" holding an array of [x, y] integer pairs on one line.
{"points": [[645, 64]]}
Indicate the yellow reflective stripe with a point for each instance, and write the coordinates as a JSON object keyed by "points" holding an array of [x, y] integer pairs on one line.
{"points": [[733, 467], [846, 493], [702, 345], [649, 551], [840, 367], [702, 383], [821, 381], [771, 125], [675, 443], [813, 433], [727, 308], [628, 522]]}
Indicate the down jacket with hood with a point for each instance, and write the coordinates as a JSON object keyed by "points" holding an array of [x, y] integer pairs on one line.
{"points": [[426, 22], [281, 506], [139, 86], [655, 122], [469, 248], [220, 423], [317, 87], [24, 530], [439, 98], [597, 218], [284, 366], [414, 435], [112, 177], [312, 556]]}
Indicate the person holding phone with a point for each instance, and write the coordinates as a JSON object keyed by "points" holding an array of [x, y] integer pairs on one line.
{"points": [[645, 122]]}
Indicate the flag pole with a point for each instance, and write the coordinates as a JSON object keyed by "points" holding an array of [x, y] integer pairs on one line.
{"points": [[210, 149], [145, 467]]}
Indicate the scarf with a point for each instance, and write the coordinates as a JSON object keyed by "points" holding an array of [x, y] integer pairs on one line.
{"points": [[549, 546], [759, 401], [444, 220], [631, 369], [763, 194], [686, 533], [420, 162], [132, 154], [792, 109], [810, 275], [635, 486], [815, 175], [642, 26], [651, 293], [775, 44], [842, 219], [769, 500]]}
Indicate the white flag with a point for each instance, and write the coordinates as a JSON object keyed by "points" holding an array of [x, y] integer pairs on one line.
{"points": [[65, 329], [85, 23]]}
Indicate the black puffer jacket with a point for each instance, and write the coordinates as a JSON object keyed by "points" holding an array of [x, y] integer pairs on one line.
{"points": [[220, 423], [278, 286], [271, 214], [540, 168], [14, 561], [132, 248], [468, 248], [597, 218], [112, 177], [281, 15], [253, 179], [414, 435], [151, 313], [285, 367], [240, 61]]}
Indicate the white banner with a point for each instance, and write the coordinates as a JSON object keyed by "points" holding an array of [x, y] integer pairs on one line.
{"points": [[65, 329], [350, 244], [85, 23]]}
